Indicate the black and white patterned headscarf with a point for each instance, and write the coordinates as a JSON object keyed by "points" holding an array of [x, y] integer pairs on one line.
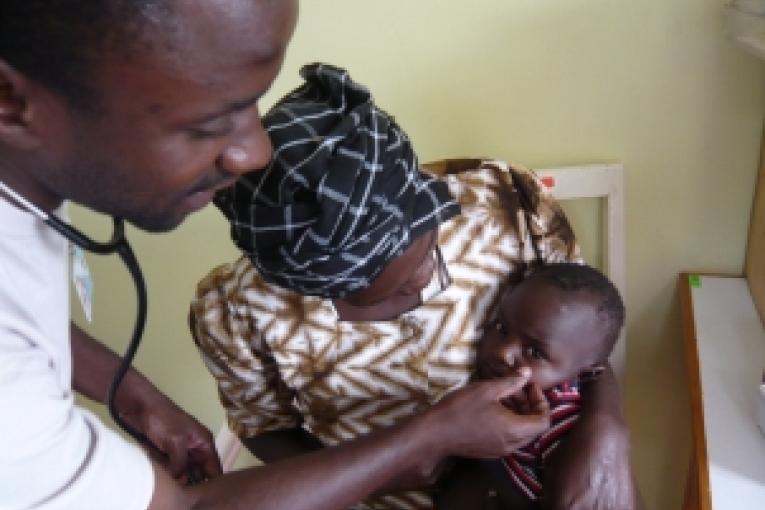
{"points": [[342, 196]]}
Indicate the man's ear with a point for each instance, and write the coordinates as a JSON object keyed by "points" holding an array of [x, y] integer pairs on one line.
{"points": [[16, 109]]}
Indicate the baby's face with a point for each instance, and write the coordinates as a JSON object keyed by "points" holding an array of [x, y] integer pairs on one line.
{"points": [[555, 333]]}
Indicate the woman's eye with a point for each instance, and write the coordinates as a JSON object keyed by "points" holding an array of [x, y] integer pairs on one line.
{"points": [[212, 131], [531, 352], [500, 328]]}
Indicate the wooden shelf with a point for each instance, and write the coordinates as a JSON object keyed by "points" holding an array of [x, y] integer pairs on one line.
{"points": [[725, 353]]}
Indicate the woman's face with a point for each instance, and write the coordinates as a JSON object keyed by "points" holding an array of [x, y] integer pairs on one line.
{"points": [[404, 276]]}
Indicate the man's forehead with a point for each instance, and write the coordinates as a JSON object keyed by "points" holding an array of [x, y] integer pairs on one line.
{"points": [[180, 33], [232, 29], [201, 52]]}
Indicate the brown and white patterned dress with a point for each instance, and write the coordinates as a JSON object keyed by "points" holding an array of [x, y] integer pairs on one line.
{"points": [[283, 360]]}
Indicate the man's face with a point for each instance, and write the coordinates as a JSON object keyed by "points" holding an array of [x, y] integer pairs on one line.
{"points": [[178, 120], [555, 333]]}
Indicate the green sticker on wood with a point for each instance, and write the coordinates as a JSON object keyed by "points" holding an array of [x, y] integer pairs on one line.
{"points": [[694, 280]]}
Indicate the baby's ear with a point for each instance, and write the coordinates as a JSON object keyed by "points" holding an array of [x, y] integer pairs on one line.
{"points": [[592, 372]]}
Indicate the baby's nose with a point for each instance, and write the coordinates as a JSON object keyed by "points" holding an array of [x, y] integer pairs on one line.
{"points": [[512, 357]]}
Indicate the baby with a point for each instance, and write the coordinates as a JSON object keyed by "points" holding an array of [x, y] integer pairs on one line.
{"points": [[561, 322]]}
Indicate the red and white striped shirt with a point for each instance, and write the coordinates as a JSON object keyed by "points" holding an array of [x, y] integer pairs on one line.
{"points": [[525, 467]]}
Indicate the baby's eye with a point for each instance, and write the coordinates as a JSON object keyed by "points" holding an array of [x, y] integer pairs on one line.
{"points": [[500, 328], [531, 352]]}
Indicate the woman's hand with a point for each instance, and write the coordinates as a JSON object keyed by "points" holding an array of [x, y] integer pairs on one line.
{"points": [[476, 423]]}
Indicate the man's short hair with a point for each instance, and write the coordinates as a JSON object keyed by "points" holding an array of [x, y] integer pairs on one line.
{"points": [[56, 42], [572, 277]]}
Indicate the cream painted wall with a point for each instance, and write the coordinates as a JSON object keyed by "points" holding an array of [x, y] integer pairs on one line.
{"points": [[651, 83]]}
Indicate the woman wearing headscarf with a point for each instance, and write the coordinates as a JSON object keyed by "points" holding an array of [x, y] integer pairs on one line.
{"points": [[365, 281]]}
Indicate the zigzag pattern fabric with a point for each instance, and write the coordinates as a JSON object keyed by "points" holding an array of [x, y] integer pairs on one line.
{"points": [[282, 360], [342, 196]]}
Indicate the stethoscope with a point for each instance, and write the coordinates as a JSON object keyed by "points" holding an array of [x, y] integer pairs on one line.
{"points": [[117, 244]]}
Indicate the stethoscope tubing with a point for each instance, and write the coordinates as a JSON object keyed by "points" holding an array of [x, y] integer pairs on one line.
{"points": [[68, 231], [117, 244]]}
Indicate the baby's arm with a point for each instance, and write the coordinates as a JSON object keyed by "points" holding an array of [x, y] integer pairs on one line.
{"points": [[591, 469], [479, 485], [470, 484]]}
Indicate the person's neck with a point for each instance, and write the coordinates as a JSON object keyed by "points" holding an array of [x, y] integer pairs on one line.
{"points": [[387, 310], [25, 185]]}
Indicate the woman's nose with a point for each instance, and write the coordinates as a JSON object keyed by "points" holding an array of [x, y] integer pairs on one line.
{"points": [[249, 151], [420, 278]]}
